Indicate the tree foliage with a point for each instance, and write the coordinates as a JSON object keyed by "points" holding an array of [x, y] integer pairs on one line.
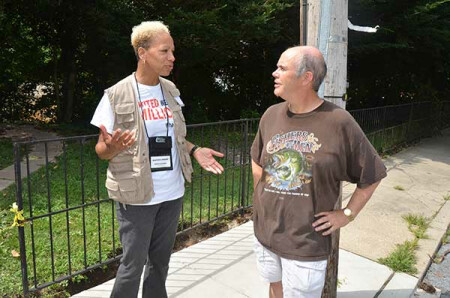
{"points": [[226, 51], [407, 60], [78, 48]]}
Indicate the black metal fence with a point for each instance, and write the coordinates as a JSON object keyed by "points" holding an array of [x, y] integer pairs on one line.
{"points": [[70, 226], [391, 126]]}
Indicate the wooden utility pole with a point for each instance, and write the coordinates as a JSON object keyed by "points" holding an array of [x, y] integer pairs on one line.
{"points": [[327, 23], [327, 29]]}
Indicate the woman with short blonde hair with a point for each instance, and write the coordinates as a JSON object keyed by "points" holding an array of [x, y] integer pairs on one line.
{"points": [[143, 135]]}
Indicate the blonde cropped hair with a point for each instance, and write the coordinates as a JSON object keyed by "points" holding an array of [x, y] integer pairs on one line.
{"points": [[144, 33]]}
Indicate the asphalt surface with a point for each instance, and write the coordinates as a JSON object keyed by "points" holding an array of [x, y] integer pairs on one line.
{"points": [[438, 275]]}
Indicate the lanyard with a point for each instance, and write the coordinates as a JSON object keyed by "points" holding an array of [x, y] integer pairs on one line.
{"points": [[165, 107]]}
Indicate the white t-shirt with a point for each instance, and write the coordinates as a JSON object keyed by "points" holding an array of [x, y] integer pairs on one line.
{"points": [[168, 185]]}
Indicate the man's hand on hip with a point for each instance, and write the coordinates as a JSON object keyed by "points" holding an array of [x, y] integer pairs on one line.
{"points": [[329, 222]]}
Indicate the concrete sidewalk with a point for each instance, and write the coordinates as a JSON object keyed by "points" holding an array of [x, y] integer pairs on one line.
{"points": [[36, 155], [224, 266]]}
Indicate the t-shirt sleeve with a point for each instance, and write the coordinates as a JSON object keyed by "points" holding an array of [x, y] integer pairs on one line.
{"points": [[104, 114], [257, 147], [364, 165]]}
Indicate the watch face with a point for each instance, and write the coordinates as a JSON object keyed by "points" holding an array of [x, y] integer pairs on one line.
{"points": [[347, 212]]}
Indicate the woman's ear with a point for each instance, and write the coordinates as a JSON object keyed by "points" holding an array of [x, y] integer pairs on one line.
{"points": [[141, 53]]}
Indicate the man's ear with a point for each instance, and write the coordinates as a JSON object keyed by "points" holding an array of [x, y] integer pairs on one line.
{"points": [[308, 77]]}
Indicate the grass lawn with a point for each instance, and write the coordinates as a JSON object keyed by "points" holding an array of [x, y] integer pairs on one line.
{"points": [[88, 228], [7, 156]]}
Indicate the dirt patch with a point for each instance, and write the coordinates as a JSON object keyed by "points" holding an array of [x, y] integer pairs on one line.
{"points": [[201, 233]]}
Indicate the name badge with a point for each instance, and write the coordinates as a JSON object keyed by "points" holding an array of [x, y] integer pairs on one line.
{"points": [[159, 162], [160, 151]]}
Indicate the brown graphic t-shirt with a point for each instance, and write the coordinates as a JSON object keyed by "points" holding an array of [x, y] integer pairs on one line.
{"points": [[304, 158]]}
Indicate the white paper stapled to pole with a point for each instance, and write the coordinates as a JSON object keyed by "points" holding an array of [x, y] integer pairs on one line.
{"points": [[362, 28]]}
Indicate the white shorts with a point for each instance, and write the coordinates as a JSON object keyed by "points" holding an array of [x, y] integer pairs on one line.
{"points": [[299, 279]]}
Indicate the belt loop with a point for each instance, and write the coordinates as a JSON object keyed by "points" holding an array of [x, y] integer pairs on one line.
{"points": [[124, 206]]}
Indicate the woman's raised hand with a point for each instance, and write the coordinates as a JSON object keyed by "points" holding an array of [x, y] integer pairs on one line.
{"points": [[119, 140]]}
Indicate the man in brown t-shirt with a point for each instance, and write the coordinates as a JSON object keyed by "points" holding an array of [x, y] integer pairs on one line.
{"points": [[304, 148]]}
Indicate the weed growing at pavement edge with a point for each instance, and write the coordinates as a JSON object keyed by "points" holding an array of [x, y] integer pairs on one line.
{"points": [[402, 258], [446, 238], [398, 187], [417, 224]]}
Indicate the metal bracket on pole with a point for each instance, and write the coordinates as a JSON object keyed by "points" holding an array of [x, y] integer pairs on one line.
{"points": [[344, 96], [337, 39]]}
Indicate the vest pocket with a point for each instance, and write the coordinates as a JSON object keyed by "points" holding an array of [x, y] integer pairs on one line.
{"points": [[113, 189], [125, 115], [125, 192], [128, 190], [121, 163]]}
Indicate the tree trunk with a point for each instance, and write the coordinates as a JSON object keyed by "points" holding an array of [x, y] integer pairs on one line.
{"points": [[68, 69], [70, 95], [56, 87]]}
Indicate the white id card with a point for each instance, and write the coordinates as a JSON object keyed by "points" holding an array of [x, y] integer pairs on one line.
{"points": [[161, 161]]}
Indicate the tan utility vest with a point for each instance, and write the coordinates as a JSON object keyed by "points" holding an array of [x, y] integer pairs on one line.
{"points": [[129, 178]]}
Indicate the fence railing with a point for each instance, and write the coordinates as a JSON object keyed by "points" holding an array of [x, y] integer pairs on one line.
{"points": [[391, 126], [70, 226]]}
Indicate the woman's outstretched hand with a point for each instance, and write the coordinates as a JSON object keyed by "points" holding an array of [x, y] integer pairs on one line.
{"points": [[205, 158]]}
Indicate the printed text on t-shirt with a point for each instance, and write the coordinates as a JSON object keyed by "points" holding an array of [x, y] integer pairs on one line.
{"points": [[152, 110]]}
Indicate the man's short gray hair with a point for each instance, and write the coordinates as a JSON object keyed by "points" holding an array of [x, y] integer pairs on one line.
{"points": [[314, 64]]}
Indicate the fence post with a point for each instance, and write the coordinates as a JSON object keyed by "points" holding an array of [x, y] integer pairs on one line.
{"points": [[440, 123], [243, 167], [411, 111], [384, 130], [23, 255], [446, 114]]}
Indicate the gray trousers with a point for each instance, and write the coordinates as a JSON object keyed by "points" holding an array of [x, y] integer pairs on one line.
{"points": [[147, 234]]}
